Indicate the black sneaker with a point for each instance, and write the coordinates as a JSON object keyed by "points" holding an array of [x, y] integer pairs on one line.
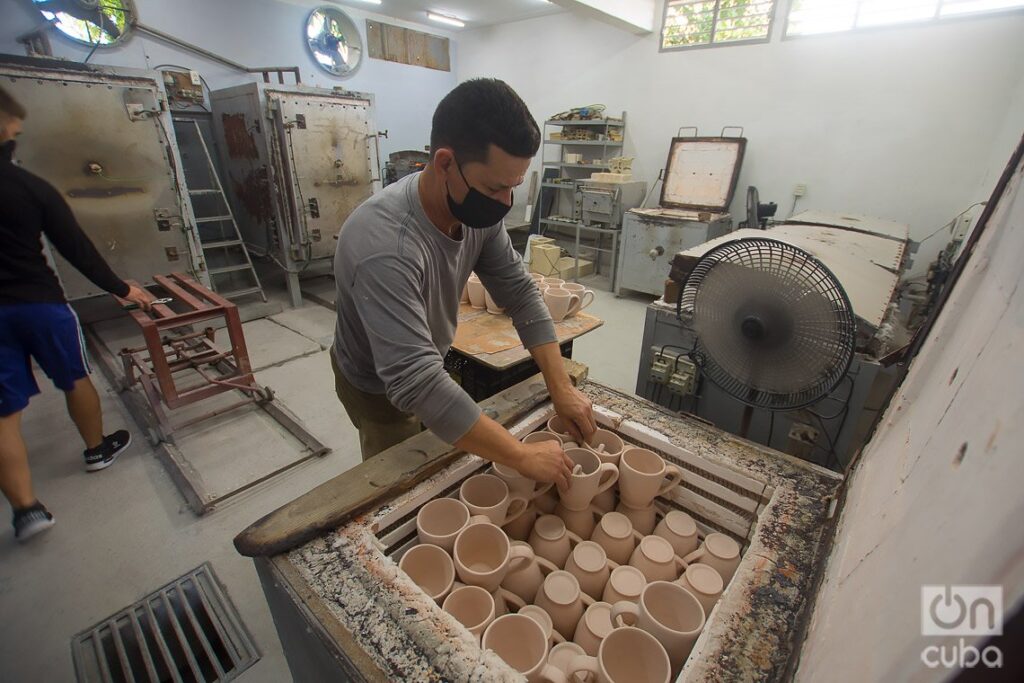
{"points": [[104, 455], [31, 521]]}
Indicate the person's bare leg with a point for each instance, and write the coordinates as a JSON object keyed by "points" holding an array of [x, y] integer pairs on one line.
{"points": [[15, 479], [84, 408]]}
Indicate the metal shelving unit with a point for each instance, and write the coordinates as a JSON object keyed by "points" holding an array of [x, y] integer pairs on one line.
{"points": [[560, 196]]}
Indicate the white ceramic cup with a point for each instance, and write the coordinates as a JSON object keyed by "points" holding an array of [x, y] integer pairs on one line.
{"points": [[544, 619], [579, 522], [488, 495], [614, 533], [561, 304], [668, 612], [643, 476], [643, 518], [431, 568], [718, 551], [492, 307], [520, 485], [607, 444], [473, 607], [440, 520]]}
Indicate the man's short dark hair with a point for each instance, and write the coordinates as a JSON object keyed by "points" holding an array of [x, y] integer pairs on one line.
{"points": [[481, 112], [9, 107]]}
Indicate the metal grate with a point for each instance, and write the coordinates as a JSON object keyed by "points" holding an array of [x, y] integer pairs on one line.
{"points": [[186, 632]]}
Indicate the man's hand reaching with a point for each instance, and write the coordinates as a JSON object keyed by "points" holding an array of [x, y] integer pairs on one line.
{"points": [[575, 409], [138, 296], [544, 461]]}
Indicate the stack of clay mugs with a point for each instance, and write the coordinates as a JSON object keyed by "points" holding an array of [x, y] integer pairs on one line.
{"points": [[593, 579], [563, 299], [477, 296]]}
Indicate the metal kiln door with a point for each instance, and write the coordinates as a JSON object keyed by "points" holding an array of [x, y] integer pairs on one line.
{"points": [[106, 144], [328, 161]]}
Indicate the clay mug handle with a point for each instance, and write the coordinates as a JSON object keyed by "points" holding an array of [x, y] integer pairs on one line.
{"points": [[516, 507], [609, 474], [675, 476], [546, 566], [622, 608]]}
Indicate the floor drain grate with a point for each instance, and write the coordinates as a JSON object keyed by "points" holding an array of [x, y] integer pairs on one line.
{"points": [[186, 632]]}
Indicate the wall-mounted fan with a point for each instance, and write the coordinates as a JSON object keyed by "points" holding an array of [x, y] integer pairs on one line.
{"points": [[773, 326], [97, 23]]}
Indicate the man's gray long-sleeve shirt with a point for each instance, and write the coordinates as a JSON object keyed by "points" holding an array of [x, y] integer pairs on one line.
{"points": [[399, 280]]}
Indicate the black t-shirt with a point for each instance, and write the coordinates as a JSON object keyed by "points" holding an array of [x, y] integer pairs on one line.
{"points": [[29, 208]]}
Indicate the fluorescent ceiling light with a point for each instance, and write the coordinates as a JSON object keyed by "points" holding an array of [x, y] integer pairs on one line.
{"points": [[371, 2], [444, 19]]}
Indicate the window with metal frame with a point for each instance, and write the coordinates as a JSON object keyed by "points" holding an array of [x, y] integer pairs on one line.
{"points": [[695, 23], [813, 17]]}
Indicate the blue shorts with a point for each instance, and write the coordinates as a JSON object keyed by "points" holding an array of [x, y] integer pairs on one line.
{"points": [[50, 334]]}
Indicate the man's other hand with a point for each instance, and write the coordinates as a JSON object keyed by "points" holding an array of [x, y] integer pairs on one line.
{"points": [[544, 461], [577, 412]]}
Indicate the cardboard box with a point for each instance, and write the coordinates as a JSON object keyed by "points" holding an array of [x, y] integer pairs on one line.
{"points": [[567, 268]]}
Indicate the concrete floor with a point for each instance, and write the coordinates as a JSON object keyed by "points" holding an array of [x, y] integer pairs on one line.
{"points": [[126, 531]]}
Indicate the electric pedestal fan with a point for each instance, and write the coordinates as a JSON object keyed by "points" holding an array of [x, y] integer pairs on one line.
{"points": [[773, 326]]}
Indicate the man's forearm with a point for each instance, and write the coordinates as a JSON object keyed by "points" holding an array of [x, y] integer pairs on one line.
{"points": [[491, 441], [549, 359]]}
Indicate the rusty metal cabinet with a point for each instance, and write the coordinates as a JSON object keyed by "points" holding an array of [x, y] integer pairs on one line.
{"points": [[103, 137], [650, 241], [298, 161]]}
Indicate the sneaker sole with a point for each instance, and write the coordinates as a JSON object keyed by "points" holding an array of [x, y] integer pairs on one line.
{"points": [[35, 529], [104, 464]]}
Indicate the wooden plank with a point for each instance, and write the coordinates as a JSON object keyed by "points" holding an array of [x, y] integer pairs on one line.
{"points": [[374, 39], [438, 55], [395, 49], [380, 478]]}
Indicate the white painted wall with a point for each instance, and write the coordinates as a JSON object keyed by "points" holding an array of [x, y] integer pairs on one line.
{"points": [[936, 499], [260, 33], [899, 123]]}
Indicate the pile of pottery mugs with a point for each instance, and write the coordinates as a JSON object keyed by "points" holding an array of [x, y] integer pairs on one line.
{"points": [[593, 581], [563, 299]]}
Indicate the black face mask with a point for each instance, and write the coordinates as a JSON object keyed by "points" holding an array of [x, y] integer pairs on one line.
{"points": [[477, 210]]}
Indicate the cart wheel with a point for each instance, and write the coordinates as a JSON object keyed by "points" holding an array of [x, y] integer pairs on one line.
{"points": [[267, 394]]}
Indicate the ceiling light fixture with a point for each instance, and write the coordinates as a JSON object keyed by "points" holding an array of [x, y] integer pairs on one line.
{"points": [[371, 2], [445, 19]]}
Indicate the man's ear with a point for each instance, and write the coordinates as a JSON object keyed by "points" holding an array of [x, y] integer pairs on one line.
{"points": [[444, 159]]}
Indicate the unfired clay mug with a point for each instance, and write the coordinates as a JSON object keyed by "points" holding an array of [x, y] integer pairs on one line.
{"points": [[547, 501], [560, 596], [556, 425], [679, 529], [440, 520], [482, 554], [544, 619], [593, 627], [625, 583], [551, 540], [518, 484], [472, 606], [475, 288], [579, 522], [594, 477], [553, 281], [718, 551], [668, 612], [614, 533], [519, 528], [561, 656], [545, 435], [607, 444], [525, 576], [654, 557], [586, 295], [643, 518], [561, 304], [705, 583], [644, 475], [492, 307], [520, 641], [488, 495], [589, 563], [464, 299], [504, 598], [626, 655], [431, 568]]}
